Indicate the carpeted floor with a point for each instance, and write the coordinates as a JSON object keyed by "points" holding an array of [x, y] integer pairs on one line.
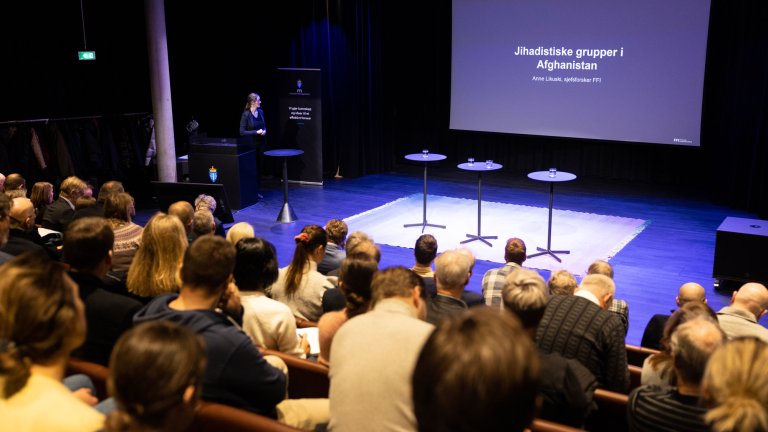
{"points": [[588, 236]]}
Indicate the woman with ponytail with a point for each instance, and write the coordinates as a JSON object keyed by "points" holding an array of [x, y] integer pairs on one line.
{"points": [[300, 285], [355, 283], [155, 374], [42, 320], [735, 386]]}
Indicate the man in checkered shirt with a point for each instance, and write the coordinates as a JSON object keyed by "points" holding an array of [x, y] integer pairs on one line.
{"points": [[619, 307], [493, 280]]}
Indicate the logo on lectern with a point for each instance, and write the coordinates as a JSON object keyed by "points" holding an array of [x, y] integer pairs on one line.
{"points": [[213, 174], [298, 86]]}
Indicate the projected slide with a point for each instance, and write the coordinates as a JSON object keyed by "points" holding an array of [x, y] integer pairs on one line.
{"points": [[597, 69]]}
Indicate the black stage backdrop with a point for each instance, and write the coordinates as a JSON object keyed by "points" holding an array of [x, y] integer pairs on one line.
{"points": [[386, 78]]}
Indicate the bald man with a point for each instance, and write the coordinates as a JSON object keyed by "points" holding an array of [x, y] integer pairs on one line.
{"points": [[688, 292], [748, 304], [22, 236]]}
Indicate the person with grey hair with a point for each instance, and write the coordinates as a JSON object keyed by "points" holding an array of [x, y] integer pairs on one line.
{"points": [[566, 386], [619, 307], [203, 223], [748, 305], [207, 202], [653, 408], [452, 271], [562, 282], [580, 327]]}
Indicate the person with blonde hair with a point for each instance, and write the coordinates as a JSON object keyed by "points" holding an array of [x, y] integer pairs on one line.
{"points": [[300, 285], [155, 268], [119, 211], [59, 213], [240, 231], [42, 197], [619, 307], [562, 282], [42, 320], [735, 386]]}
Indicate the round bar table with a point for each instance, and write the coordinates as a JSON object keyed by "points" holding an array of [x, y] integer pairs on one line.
{"points": [[425, 158], [480, 168], [286, 212], [544, 176]]}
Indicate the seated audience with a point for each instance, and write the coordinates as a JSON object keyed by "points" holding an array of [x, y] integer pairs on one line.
{"points": [[493, 280], [658, 369], [619, 307], [374, 355], [15, 186], [203, 224], [5, 217], [471, 298], [355, 240], [452, 272], [477, 372], [155, 377], [239, 231], [735, 386], [580, 327], [42, 197], [236, 373], [88, 251], [333, 298], [207, 202], [300, 285], [108, 189], [334, 250], [357, 272], [83, 203], [59, 213], [566, 386], [748, 305], [562, 282], [23, 236], [653, 333], [41, 321], [269, 323], [119, 211], [155, 268], [185, 212], [653, 408], [425, 252]]}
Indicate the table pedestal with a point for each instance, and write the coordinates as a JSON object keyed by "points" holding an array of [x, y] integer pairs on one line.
{"points": [[286, 215], [430, 158], [473, 237], [558, 177]]}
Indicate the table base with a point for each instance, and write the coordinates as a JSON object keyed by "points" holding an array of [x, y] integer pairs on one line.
{"points": [[287, 214], [549, 252], [473, 237], [423, 225]]}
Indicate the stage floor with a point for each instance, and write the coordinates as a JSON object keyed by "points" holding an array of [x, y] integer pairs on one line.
{"points": [[677, 245]]}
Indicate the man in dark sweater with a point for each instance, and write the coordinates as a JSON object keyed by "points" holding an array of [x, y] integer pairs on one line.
{"points": [[88, 250], [237, 374], [580, 327]]}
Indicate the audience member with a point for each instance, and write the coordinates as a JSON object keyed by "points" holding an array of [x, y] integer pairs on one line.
{"points": [[119, 211], [112, 187], [748, 305], [452, 272], [41, 321], [476, 372], [155, 376], [155, 267], [236, 373], [59, 213], [562, 282], [333, 298], [334, 251], [735, 386], [42, 197], [88, 251], [357, 239], [5, 218], [425, 252], [300, 285], [658, 369], [84, 202], [566, 386], [239, 231], [186, 213], [268, 322], [23, 236], [654, 408], [580, 327], [374, 355], [493, 280], [207, 202], [619, 307], [15, 186], [203, 223], [687, 292], [471, 298], [357, 272], [2, 182]]}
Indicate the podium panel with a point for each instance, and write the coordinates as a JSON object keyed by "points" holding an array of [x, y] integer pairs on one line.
{"points": [[235, 169], [741, 250]]}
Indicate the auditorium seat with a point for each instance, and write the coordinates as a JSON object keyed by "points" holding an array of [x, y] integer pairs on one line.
{"points": [[611, 412], [96, 372], [636, 355], [306, 379], [217, 417], [540, 425]]}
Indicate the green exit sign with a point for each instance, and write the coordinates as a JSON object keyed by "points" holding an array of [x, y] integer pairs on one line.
{"points": [[86, 55]]}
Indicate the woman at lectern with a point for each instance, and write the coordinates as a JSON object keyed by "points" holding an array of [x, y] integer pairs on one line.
{"points": [[253, 130]]}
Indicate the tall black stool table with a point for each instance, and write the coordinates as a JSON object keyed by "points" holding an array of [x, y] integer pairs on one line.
{"points": [[552, 176], [286, 212], [425, 158], [480, 168]]}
